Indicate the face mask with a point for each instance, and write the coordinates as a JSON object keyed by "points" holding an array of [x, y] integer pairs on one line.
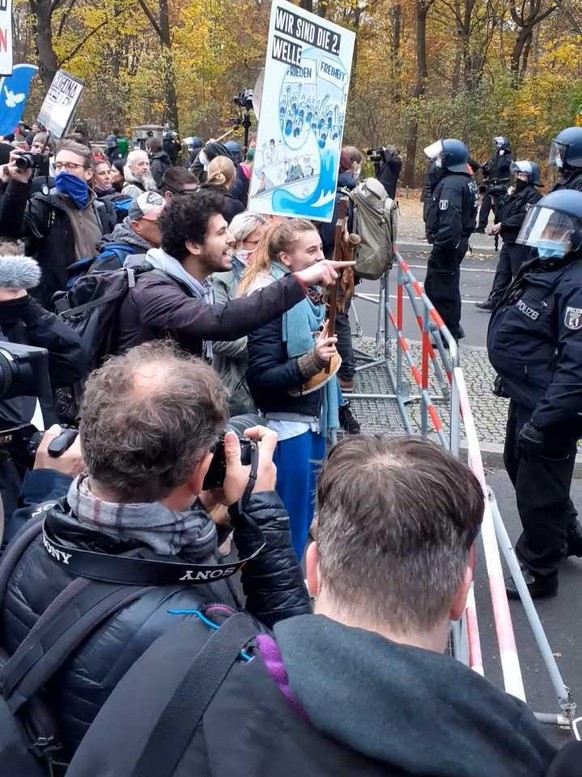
{"points": [[502, 152], [73, 187], [438, 162], [356, 173], [519, 184], [551, 249], [243, 255]]}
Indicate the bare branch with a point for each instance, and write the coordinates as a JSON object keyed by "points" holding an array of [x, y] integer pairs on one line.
{"points": [[80, 45], [152, 19]]}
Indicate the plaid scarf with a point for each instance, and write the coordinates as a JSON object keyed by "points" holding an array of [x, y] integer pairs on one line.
{"points": [[166, 532]]}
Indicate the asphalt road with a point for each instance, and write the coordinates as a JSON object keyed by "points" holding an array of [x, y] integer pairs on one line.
{"points": [[476, 278], [561, 618]]}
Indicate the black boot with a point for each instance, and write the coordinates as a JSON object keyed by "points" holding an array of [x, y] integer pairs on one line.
{"points": [[487, 304], [539, 587], [347, 420], [574, 539]]}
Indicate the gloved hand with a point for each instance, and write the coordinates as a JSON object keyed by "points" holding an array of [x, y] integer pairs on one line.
{"points": [[530, 442]]}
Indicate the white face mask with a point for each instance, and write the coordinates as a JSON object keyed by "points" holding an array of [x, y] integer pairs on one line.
{"points": [[438, 162], [356, 173], [502, 152]]}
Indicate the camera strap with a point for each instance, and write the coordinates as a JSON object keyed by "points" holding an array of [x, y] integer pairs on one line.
{"points": [[141, 571]]}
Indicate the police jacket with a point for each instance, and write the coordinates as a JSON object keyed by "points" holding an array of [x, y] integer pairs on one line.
{"points": [[271, 374], [512, 209], [452, 210], [272, 582], [498, 168], [535, 341], [45, 226], [570, 180]]}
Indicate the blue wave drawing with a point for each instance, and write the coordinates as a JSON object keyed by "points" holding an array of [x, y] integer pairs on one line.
{"points": [[319, 204]]}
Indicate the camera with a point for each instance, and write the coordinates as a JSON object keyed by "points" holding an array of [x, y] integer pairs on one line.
{"points": [[244, 99], [217, 470], [20, 444], [29, 161], [375, 154]]}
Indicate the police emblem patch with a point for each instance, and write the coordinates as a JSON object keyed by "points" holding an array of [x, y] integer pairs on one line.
{"points": [[443, 204], [573, 318]]}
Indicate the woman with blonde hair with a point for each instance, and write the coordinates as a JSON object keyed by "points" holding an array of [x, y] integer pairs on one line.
{"points": [[221, 178], [286, 371]]}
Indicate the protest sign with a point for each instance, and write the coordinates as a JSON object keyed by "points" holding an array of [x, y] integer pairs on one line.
{"points": [[303, 108], [14, 90], [5, 37], [60, 102]]}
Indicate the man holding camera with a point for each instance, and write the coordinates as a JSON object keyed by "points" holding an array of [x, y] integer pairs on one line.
{"points": [[150, 423], [387, 166], [61, 226]]}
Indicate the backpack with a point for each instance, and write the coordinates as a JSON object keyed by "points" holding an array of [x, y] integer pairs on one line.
{"points": [[113, 254], [29, 735], [91, 307], [375, 221], [121, 204]]}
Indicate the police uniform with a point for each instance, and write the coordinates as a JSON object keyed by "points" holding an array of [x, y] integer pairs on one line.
{"points": [[511, 213], [496, 169], [570, 180], [450, 222], [535, 345]]}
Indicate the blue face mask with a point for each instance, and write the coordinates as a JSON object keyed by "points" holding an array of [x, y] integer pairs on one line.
{"points": [[551, 249], [73, 187]]}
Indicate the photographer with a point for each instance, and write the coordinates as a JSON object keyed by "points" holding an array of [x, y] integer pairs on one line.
{"points": [[60, 226], [150, 421], [387, 167]]}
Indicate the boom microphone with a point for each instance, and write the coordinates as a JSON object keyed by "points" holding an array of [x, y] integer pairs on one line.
{"points": [[19, 272]]}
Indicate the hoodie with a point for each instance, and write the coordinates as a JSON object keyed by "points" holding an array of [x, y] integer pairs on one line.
{"points": [[419, 711]]}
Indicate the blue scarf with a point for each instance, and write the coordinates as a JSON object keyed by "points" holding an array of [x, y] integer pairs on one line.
{"points": [[73, 187], [299, 326]]}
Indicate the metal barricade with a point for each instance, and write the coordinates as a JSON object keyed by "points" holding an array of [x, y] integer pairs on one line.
{"points": [[441, 396]]}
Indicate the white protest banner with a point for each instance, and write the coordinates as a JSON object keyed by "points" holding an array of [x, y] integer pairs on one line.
{"points": [[303, 108], [5, 37], [60, 102]]}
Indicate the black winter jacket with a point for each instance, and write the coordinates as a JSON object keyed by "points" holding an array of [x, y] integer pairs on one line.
{"points": [[512, 209], [231, 205], [159, 307], [44, 224], [498, 168], [570, 180], [452, 210], [534, 341], [271, 374], [388, 173], [273, 584], [159, 163]]}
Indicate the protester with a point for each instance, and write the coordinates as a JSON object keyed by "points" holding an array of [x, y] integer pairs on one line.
{"points": [[177, 180], [534, 345], [137, 174], [221, 177], [149, 422], [159, 159], [102, 176], [62, 226], [136, 234], [284, 355], [229, 358], [205, 156], [42, 143], [364, 686], [117, 175], [177, 299]]}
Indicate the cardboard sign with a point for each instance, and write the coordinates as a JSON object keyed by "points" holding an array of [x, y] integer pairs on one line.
{"points": [[56, 113], [303, 108]]}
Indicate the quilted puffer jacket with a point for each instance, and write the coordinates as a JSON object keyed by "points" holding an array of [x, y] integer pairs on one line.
{"points": [[272, 583]]}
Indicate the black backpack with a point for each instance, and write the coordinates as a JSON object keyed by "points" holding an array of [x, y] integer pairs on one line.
{"points": [[91, 308], [29, 735]]}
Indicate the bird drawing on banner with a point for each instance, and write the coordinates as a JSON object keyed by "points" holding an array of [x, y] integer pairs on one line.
{"points": [[12, 100]]}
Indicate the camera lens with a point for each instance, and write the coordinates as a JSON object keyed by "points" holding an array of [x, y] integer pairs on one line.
{"points": [[6, 376], [23, 162]]}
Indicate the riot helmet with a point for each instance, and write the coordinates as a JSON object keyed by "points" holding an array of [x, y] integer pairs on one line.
{"points": [[525, 167], [450, 154], [553, 226], [566, 149], [502, 144]]}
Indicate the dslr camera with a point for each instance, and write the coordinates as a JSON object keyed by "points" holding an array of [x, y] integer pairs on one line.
{"points": [[244, 99], [28, 161], [375, 155], [217, 470]]}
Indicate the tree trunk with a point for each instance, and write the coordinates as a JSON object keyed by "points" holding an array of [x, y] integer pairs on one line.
{"points": [[171, 112], [422, 7], [47, 59]]}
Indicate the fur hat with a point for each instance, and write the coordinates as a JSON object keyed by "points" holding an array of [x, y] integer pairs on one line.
{"points": [[19, 272]]}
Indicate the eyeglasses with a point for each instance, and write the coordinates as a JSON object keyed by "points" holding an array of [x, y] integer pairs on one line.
{"points": [[69, 166]]}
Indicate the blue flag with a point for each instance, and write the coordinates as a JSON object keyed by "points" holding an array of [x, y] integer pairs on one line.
{"points": [[14, 90]]}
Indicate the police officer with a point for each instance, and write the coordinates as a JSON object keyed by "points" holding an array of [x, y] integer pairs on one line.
{"points": [[497, 173], [511, 213], [535, 345], [566, 155], [449, 224]]}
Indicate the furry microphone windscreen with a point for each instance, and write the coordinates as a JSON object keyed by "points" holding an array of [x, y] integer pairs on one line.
{"points": [[19, 272]]}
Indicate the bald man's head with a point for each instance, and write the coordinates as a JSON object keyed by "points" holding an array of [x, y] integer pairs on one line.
{"points": [[148, 417]]}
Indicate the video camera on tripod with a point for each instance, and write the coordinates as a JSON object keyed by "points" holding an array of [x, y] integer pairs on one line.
{"points": [[244, 101]]}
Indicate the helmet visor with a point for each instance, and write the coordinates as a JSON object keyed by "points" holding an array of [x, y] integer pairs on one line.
{"points": [[545, 224], [434, 151], [557, 154]]}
